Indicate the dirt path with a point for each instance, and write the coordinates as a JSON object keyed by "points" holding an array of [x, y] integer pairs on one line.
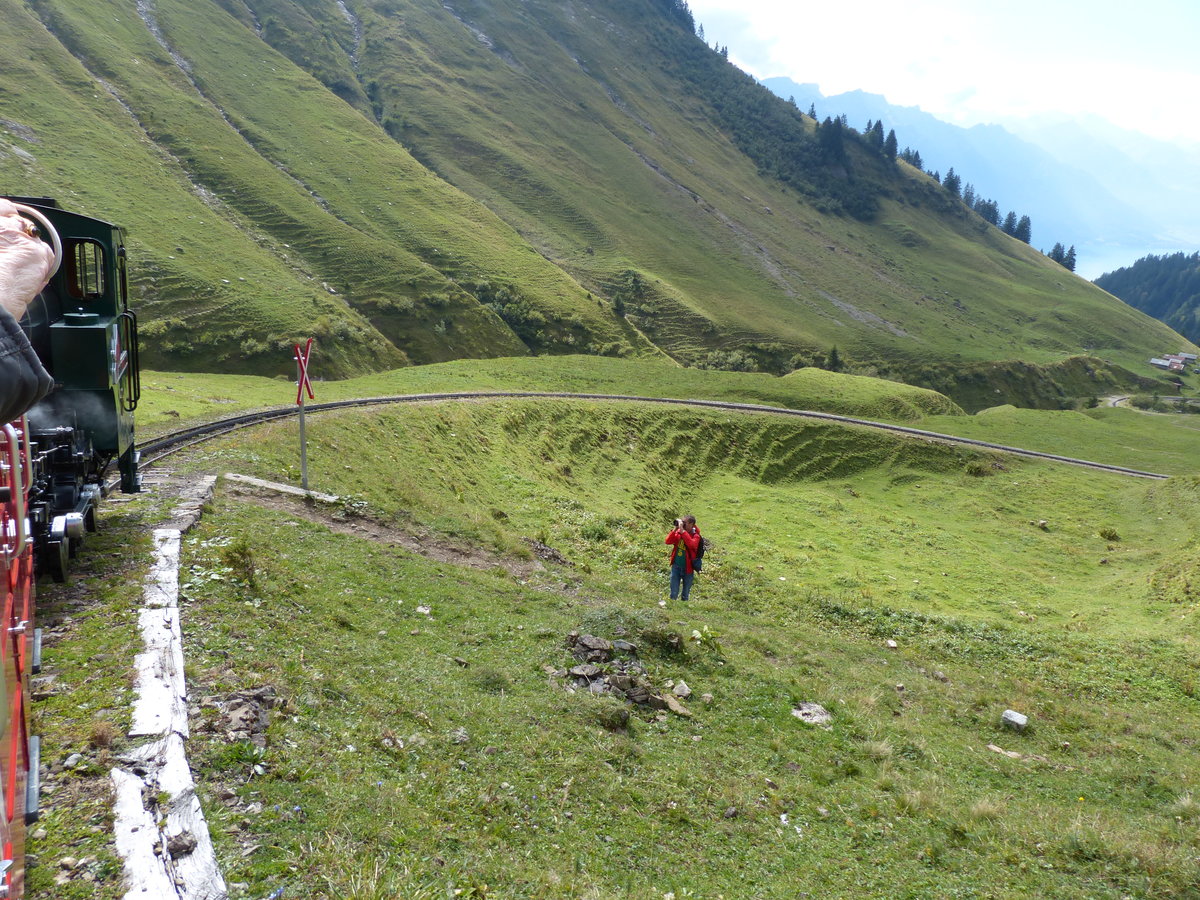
{"points": [[423, 544]]}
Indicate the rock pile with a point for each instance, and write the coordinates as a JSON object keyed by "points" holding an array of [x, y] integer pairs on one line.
{"points": [[547, 553], [613, 667], [244, 716]]}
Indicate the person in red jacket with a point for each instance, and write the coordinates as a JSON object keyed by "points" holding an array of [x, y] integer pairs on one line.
{"points": [[685, 541]]}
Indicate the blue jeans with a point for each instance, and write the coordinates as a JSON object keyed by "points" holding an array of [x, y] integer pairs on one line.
{"points": [[680, 577]]}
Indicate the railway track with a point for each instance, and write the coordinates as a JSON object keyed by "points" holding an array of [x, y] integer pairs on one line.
{"points": [[162, 447]]}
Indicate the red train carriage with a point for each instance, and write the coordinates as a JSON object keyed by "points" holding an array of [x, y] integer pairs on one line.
{"points": [[18, 654]]}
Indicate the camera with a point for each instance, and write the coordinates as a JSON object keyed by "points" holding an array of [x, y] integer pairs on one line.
{"points": [[679, 523]]}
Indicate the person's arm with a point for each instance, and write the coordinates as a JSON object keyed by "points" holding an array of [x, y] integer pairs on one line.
{"points": [[674, 536], [23, 381], [691, 541], [25, 266]]}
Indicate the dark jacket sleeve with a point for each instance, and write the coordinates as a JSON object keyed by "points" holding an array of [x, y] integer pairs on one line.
{"points": [[23, 380]]}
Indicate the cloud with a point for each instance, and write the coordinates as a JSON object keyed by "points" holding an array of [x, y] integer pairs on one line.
{"points": [[971, 61]]}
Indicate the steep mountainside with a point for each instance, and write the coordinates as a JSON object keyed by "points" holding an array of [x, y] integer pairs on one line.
{"points": [[415, 181], [1166, 287]]}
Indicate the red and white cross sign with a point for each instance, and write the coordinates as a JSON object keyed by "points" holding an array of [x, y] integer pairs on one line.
{"points": [[304, 384]]}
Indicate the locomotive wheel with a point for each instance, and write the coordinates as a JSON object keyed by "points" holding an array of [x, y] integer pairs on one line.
{"points": [[56, 560]]}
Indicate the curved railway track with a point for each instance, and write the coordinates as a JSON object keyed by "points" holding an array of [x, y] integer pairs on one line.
{"points": [[162, 447]]}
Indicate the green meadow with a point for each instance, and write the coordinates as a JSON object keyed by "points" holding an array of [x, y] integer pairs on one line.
{"points": [[421, 747]]}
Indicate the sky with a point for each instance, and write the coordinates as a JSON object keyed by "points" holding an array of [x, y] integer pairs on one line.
{"points": [[1136, 64]]}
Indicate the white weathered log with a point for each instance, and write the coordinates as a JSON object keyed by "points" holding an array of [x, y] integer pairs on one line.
{"points": [[156, 785]]}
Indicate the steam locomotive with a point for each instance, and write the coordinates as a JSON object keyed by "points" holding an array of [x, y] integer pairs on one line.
{"points": [[53, 464]]}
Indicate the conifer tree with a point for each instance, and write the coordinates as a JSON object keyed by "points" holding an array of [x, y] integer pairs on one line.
{"points": [[1057, 253], [1024, 230], [952, 182], [989, 210], [1010, 223], [889, 145], [875, 136], [829, 139], [968, 195], [1069, 258]]}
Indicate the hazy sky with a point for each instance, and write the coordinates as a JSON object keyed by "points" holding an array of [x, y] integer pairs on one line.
{"points": [[967, 61]]}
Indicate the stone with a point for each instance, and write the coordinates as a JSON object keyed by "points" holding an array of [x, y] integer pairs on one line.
{"points": [[899, 689], [707, 699], [591, 642], [1011, 754], [40, 834], [731, 813], [676, 707], [460, 736], [813, 714], [625, 647], [599, 686], [68, 863], [181, 844], [73, 760], [681, 690], [891, 645], [941, 676], [587, 670], [638, 693], [1014, 720], [620, 682]]}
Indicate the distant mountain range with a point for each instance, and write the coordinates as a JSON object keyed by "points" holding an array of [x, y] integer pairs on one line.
{"points": [[1116, 195]]}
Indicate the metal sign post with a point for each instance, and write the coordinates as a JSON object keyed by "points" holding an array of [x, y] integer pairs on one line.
{"points": [[303, 386]]}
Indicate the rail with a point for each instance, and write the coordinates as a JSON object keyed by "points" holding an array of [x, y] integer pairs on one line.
{"points": [[173, 443]]}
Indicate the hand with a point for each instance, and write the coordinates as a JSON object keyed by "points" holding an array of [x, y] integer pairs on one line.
{"points": [[25, 261]]}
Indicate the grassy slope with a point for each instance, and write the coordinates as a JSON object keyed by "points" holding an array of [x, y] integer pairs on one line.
{"points": [[90, 153], [596, 161], [1126, 437], [636, 176], [297, 170], [876, 539]]}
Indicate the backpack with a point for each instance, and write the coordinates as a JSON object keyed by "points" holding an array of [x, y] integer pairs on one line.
{"points": [[698, 559]]}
